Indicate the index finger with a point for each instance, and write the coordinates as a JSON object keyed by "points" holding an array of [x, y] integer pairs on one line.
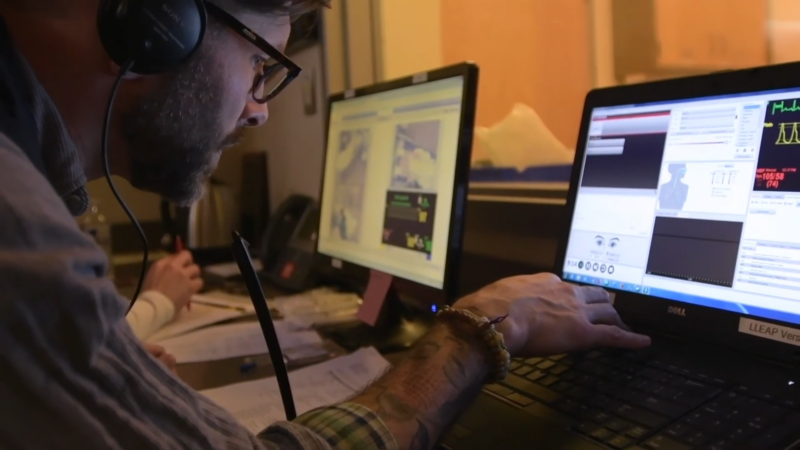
{"points": [[183, 258], [614, 336], [593, 294]]}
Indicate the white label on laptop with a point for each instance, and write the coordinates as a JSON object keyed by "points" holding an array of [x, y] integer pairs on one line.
{"points": [[420, 78], [350, 93], [770, 331], [336, 263]]}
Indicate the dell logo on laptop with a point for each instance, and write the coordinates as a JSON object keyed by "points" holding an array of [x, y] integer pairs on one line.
{"points": [[676, 310]]}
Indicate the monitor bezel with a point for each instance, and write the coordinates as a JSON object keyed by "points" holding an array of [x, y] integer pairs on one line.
{"points": [[652, 314], [359, 274]]}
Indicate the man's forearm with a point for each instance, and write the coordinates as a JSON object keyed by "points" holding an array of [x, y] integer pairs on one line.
{"points": [[441, 376]]}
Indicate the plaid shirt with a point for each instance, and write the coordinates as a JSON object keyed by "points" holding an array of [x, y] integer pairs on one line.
{"points": [[348, 426], [74, 374]]}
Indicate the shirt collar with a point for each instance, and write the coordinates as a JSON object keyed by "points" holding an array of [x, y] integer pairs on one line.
{"points": [[62, 161]]}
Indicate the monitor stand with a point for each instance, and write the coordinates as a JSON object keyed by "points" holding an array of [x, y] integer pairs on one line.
{"points": [[397, 329]]}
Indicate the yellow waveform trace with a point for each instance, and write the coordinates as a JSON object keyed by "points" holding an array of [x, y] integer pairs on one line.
{"points": [[793, 138], [768, 125]]}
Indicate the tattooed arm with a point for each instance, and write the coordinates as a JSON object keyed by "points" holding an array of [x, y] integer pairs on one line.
{"points": [[445, 370], [441, 376]]}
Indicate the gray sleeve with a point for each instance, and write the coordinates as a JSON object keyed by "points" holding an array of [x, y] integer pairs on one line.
{"points": [[73, 374]]}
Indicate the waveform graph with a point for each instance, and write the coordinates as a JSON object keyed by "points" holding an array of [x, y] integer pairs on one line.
{"points": [[777, 160], [789, 134], [783, 106]]}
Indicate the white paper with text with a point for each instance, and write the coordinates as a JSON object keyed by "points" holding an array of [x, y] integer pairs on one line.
{"points": [[257, 404], [234, 340]]}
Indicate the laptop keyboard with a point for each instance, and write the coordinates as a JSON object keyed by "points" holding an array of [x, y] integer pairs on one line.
{"points": [[626, 400]]}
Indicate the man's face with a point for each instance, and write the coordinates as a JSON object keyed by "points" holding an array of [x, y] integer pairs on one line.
{"points": [[177, 132]]}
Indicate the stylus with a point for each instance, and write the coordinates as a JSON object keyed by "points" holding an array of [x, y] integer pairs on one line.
{"points": [[242, 256]]}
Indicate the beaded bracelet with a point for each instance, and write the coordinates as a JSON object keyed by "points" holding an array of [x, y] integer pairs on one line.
{"points": [[491, 337]]}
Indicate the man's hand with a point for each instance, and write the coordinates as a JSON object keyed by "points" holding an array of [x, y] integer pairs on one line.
{"points": [[175, 276], [446, 369], [161, 354], [547, 316]]}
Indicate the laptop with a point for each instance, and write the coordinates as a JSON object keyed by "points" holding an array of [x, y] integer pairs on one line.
{"points": [[684, 202]]}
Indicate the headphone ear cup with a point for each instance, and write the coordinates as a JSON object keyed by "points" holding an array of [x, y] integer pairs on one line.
{"points": [[157, 35]]}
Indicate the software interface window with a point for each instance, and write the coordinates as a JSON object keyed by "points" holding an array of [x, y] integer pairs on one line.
{"points": [[695, 201], [389, 180]]}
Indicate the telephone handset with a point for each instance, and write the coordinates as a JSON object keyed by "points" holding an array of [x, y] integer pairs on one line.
{"points": [[288, 245]]}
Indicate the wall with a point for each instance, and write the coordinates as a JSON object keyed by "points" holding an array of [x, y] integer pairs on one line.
{"points": [[784, 30], [530, 51], [410, 36]]}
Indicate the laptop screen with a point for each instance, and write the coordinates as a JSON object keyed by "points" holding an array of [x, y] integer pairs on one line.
{"points": [[696, 201]]}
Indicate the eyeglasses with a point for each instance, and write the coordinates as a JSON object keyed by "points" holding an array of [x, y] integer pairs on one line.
{"points": [[271, 78]]}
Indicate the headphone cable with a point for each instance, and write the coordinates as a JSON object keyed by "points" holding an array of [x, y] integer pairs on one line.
{"points": [[124, 69]]}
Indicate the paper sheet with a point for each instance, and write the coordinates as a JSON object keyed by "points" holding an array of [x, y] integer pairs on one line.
{"points": [[224, 299], [257, 404], [318, 307], [234, 340], [200, 316]]}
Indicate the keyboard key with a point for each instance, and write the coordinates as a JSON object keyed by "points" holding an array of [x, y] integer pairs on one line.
{"points": [[741, 433], [499, 390], [722, 444], [545, 365], [567, 406], [619, 425], [558, 369], [558, 357], [665, 443], [600, 417], [549, 380], [539, 392], [602, 434], [654, 404], [520, 399], [570, 375], [678, 430], [697, 437], [619, 442], [586, 428], [533, 361], [562, 386], [533, 376], [524, 370], [637, 432], [641, 416], [776, 434], [514, 365], [696, 388]]}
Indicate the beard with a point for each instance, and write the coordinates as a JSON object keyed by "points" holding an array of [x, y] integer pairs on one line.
{"points": [[175, 135]]}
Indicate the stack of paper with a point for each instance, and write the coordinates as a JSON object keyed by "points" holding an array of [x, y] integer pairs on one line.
{"points": [[234, 340], [199, 316], [257, 404]]}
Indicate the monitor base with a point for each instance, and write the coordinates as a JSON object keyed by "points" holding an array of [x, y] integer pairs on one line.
{"points": [[386, 338]]}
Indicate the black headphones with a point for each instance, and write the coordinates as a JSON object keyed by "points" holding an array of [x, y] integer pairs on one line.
{"points": [[157, 35]]}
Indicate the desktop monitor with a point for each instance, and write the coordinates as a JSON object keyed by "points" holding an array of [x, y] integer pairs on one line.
{"points": [[396, 179], [689, 207]]}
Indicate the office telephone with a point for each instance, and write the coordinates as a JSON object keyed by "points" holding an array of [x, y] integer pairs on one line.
{"points": [[287, 248]]}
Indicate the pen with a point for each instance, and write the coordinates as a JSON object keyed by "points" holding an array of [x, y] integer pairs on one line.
{"points": [[178, 249]]}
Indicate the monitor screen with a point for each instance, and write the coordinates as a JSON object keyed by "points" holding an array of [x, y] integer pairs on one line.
{"points": [[696, 201], [390, 172]]}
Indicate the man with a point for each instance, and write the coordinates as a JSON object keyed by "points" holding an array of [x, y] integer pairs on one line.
{"points": [[74, 375]]}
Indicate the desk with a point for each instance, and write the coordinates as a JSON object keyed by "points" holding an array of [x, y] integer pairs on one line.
{"points": [[211, 374]]}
